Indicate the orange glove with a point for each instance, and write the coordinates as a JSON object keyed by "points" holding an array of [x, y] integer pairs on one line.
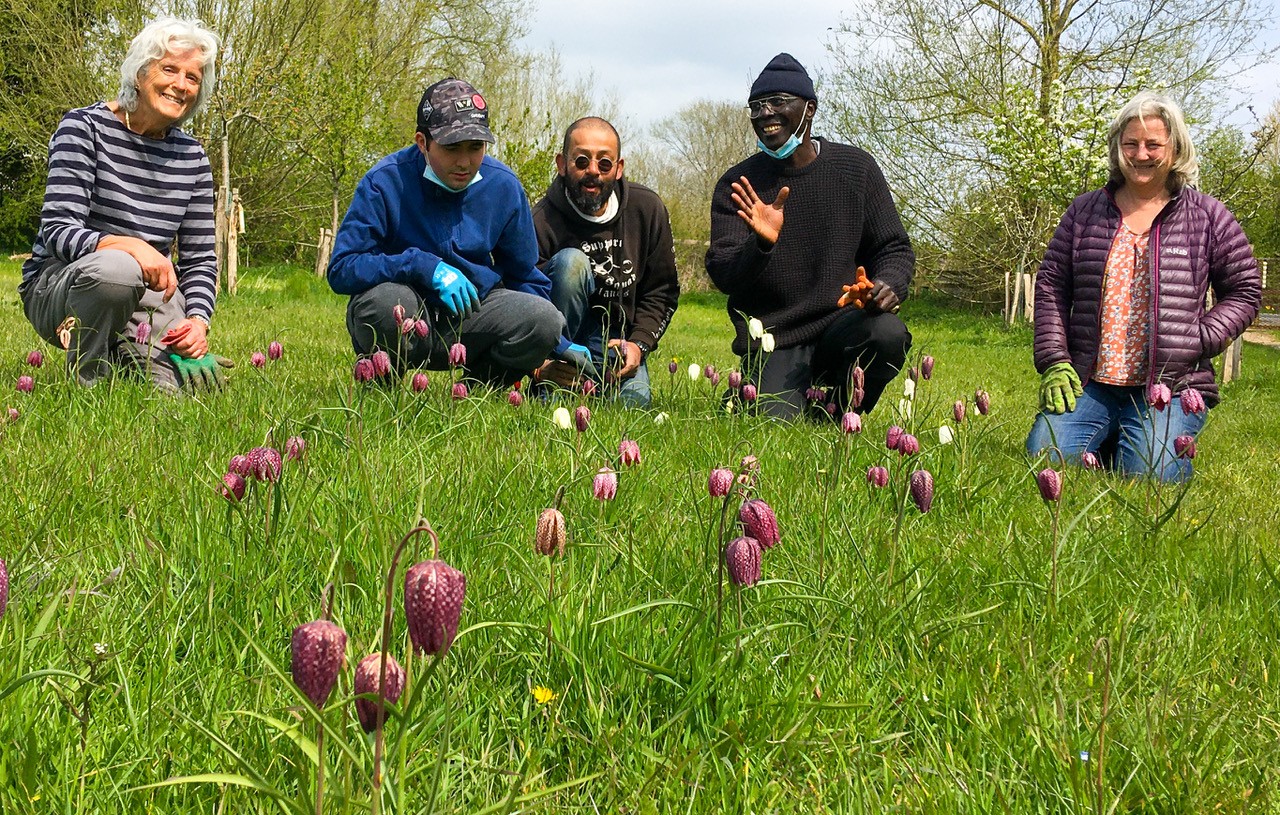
{"points": [[859, 292]]}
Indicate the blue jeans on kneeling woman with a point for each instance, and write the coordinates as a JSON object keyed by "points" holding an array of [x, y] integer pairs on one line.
{"points": [[1108, 415]]}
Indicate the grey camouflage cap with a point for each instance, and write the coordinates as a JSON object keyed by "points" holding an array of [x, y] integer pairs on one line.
{"points": [[453, 111]]}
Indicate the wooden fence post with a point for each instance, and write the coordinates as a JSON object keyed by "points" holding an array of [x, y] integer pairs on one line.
{"points": [[1029, 297], [234, 226], [220, 237]]}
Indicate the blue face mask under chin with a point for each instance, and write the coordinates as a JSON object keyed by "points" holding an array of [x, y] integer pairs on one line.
{"points": [[431, 176], [788, 147]]}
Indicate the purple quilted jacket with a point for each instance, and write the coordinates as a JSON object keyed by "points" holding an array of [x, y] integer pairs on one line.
{"points": [[1195, 243]]}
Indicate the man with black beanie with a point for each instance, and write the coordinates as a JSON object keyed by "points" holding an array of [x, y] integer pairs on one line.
{"points": [[790, 273]]}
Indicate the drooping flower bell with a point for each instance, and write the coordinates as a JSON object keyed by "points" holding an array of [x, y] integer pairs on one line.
{"points": [[922, 490], [982, 401], [695, 371], [398, 312], [1090, 461], [381, 363], [233, 487], [363, 371], [719, 482], [759, 522], [407, 326], [366, 682], [589, 387], [709, 371], [813, 394], [515, 398], [275, 350], [908, 445], [240, 466], [1159, 395], [629, 452], [858, 377], [265, 463], [581, 418], [13, 414], [562, 418], [421, 329], [957, 411], [419, 382], [851, 423], [1184, 446], [460, 391], [549, 537], [877, 476], [946, 435], [926, 367], [713, 377], [295, 448], [672, 367], [258, 360], [893, 437], [318, 648], [1049, 481], [433, 596], [742, 561], [457, 355], [605, 485], [36, 358], [735, 380], [26, 384], [142, 334], [749, 392], [1192, 401]]}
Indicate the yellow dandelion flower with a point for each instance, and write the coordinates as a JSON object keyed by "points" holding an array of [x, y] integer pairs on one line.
{"points": [[543, 695]]}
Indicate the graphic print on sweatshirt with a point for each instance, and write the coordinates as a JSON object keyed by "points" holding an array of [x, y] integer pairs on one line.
{"points": [[612, 278]]}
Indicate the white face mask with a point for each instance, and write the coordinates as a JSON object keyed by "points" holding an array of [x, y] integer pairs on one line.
{"points": [[430, 175]]}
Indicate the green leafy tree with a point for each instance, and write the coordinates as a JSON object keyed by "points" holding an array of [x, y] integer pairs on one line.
{"points": [[990, 116]]}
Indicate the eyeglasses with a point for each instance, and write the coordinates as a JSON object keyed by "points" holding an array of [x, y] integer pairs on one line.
{"points": [[603, 165], [757, 106]]}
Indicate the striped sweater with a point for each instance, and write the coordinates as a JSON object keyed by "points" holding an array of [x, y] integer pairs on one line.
{"points": [[105, 180]]}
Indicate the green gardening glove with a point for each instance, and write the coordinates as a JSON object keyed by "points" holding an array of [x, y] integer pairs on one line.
{"points": [[1059, 387], [203, 374]]}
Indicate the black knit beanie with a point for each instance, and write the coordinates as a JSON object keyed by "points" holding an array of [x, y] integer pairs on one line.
{"points": [[783, 74]]}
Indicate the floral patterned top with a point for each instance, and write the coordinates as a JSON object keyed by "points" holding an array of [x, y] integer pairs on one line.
{"points": [[1126, 311]]}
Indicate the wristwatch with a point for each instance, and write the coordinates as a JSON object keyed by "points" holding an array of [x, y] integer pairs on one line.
{"points": [[643, 346]]}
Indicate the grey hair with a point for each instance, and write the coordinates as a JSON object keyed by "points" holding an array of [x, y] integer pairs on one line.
{"points": [[1185, 170], [168, 35]]}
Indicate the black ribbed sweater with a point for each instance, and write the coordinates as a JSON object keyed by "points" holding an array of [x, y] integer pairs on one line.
{"points": [[839, 216]]}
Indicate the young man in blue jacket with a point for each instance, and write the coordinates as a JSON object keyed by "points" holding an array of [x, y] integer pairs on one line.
{"points": [[445, 232]]}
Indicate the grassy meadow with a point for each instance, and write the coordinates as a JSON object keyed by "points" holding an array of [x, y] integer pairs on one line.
{"points": [[144, 654]]}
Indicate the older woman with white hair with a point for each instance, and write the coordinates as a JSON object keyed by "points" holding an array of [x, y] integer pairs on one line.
{"points": [[127, 191], [1123, 338]]}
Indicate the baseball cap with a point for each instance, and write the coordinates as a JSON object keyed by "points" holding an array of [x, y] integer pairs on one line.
{"points": [[453, 111]]}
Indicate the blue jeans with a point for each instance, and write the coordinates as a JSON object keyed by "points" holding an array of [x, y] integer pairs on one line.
{"points": [[1143, 436], [572, 284]]}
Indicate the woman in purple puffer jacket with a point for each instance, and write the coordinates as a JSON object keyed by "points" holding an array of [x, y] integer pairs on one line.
{"points": [[1123, 340]]}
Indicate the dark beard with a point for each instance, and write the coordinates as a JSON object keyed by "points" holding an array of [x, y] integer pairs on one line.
{"points": [[590, 204]]}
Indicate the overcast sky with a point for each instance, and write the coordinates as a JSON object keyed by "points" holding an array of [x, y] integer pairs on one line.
{"points": [[658, 55]]}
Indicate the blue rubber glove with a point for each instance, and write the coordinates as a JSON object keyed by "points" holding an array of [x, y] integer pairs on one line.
{"points": [[457, 293], [579, 356]]}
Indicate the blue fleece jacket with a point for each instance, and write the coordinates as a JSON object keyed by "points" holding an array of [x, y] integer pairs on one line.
{"points": [[400, 226]]}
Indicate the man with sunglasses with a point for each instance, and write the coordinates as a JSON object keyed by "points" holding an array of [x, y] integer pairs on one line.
{"points": [[790, 272], [438, 247], [606, 244]]}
